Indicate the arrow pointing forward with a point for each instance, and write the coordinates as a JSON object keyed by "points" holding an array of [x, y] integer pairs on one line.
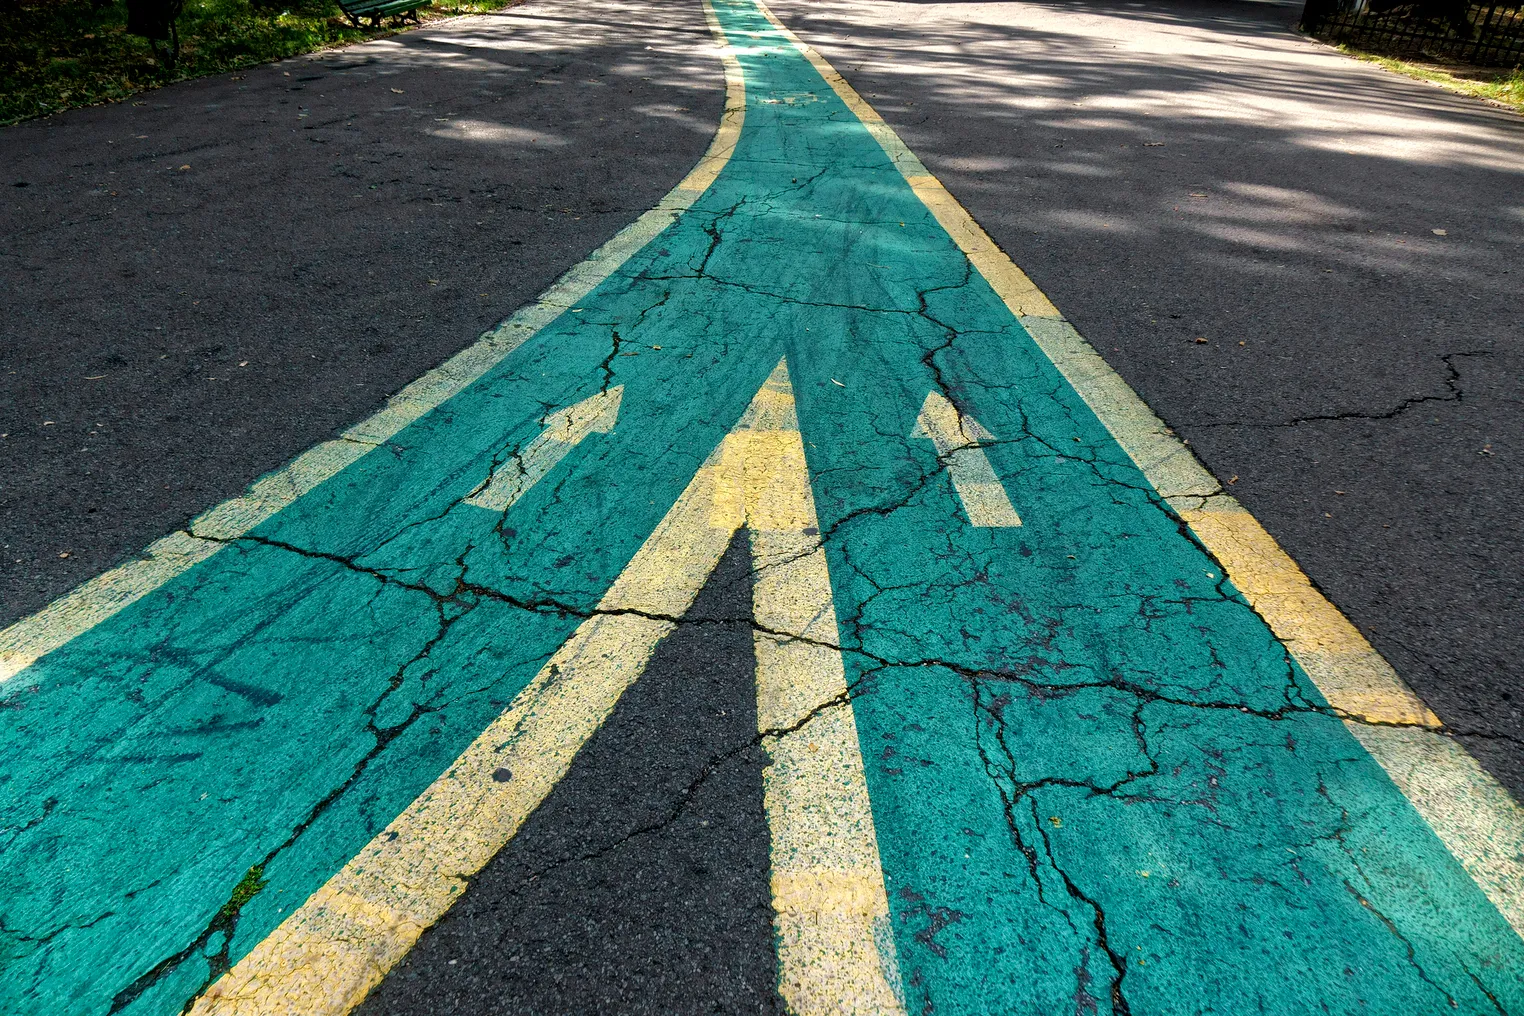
{"points": [[830, 909], [957, 438], [564, 430]]}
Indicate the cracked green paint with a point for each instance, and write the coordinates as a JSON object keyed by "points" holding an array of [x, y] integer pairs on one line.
{"points": [[1100, 785]]}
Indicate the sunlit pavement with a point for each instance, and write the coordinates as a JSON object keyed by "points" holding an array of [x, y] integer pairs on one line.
{"points": [[1175, 171], [789, 610]]}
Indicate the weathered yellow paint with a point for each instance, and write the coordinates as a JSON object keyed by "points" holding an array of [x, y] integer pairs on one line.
{"points": [[1473, 815], [1020, 293], [1349, 672], [830, 910], [325, 957], [31, 638], [1476, 818], [341, 942]]}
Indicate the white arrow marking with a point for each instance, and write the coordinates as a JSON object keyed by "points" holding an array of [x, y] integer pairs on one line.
{"points": [[564, 430], [835, 943], [957, 438]]}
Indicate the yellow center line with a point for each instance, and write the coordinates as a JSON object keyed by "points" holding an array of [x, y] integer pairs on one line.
{"points": [[76, 612], [1478, 821], [832, 913]]}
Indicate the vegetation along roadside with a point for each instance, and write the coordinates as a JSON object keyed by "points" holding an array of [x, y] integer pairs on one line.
{"points": [[1504, 87], [59, 54]]}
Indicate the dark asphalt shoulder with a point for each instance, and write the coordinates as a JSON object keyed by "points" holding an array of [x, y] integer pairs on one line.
{"points": [[641, 884], [1348, 242], [204, 281]]}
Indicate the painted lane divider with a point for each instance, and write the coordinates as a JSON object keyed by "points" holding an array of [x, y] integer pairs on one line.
{"points": [[835, 952], [1091, 815], [564, 430], [86, 606], [957, 437], [1474, 816], [133, 876]]}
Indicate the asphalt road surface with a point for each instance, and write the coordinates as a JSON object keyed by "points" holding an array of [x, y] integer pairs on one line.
{"points": [[784, 613], [1183, 170], [341, 223], [641, 884]]}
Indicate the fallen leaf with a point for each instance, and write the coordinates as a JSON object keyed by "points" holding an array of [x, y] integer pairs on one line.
{"points": [[837, 383], [399, 91], [64, 554], [1438, 232], [1153, 144], [185, 167], [1200, 340]]}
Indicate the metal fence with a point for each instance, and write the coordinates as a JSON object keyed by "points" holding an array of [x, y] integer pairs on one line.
{"points": [[1490, 35]]}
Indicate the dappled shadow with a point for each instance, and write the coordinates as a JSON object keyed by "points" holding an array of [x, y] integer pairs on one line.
{"points": [[204, 281], [1308, 266], [1278, 131]]}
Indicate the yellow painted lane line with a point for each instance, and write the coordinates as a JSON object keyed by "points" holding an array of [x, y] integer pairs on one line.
{"points": [[1474, 816], [832, 913], [830, 910], [325, 957], [86, 606], [341, 942]]}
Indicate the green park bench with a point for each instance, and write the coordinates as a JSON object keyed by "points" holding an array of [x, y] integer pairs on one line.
{"points": [[375, 10]]}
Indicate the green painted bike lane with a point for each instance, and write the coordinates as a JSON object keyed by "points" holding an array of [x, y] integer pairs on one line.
{"points": [[1098, 781]]}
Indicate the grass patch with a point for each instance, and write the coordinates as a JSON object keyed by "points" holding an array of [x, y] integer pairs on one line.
{"points": [[250, 886], [1503, 87], [59, 54]]}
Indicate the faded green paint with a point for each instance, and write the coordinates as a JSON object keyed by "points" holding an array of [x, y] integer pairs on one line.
{"points": [[1099, 783]]}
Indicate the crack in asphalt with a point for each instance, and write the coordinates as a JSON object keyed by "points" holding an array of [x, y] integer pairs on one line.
{"points": [[467, 594], [225, 920], [1412, 956], [1453, 393], [991, 689]]}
